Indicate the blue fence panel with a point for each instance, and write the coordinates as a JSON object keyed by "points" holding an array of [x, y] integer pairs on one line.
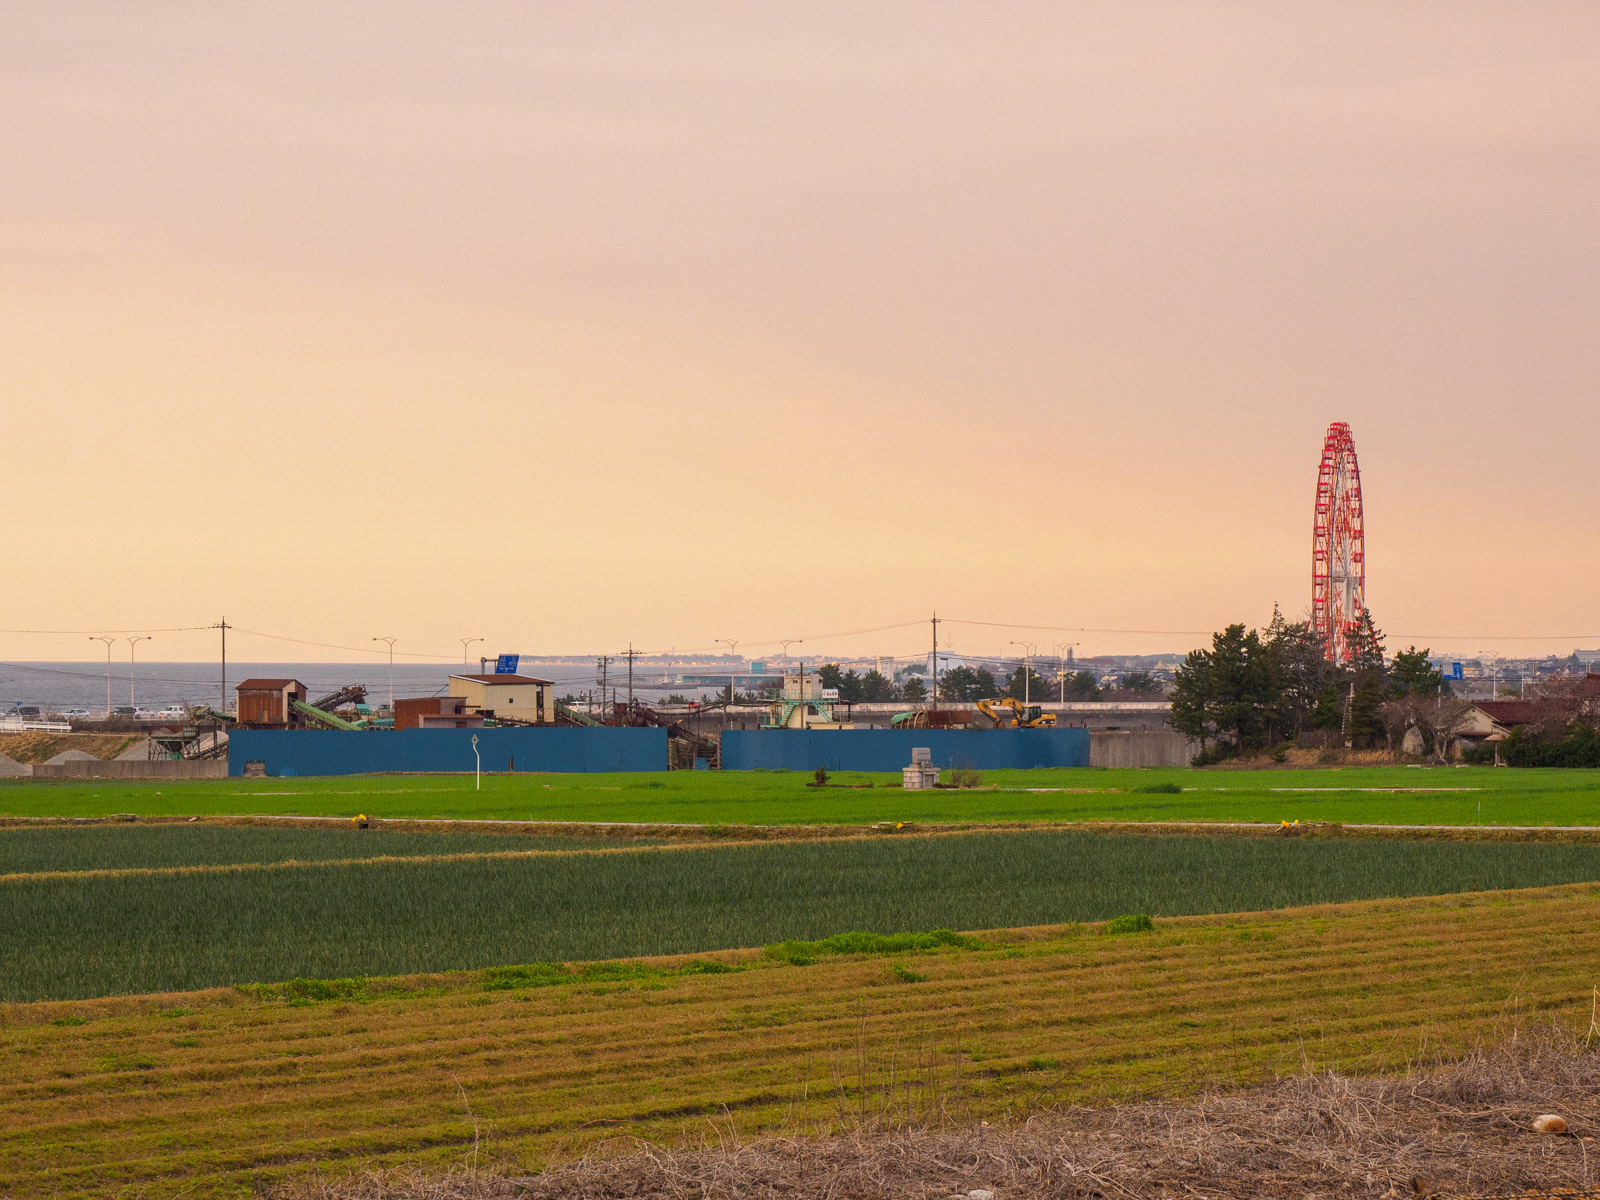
{"points": [[890, 749], [339, 752]]}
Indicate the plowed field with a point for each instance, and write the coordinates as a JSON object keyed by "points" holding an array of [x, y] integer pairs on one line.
{"points": [[218, 1092]]}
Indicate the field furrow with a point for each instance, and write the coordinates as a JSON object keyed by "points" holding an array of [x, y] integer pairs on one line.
{"points": [[237, 1089]]}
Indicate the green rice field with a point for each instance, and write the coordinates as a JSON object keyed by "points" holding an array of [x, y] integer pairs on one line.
{"points": [[28, 850], [68, 936], [1355, 795]]}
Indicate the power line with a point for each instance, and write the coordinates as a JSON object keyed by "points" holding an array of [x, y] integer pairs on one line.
{"points": [[278, 637], [92, 632]]}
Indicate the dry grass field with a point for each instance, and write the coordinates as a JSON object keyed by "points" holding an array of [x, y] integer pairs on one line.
{"points": [[234, 1091], [1466, 1130]]}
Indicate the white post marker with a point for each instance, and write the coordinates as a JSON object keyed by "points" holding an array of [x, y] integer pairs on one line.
{"points": [[477, 775]]}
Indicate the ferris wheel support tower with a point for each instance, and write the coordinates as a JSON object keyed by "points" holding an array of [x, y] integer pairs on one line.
{"points": [[1338, 547]]}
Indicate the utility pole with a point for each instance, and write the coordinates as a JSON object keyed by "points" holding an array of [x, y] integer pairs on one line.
{"points": [[602, 663], [935, 662], [107, 641], [632, 654], [223, 626], [391, 642]]}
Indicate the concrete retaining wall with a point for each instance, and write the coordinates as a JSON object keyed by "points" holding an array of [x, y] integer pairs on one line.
{"points": [[1157, 748], [890, 749], [286, 752], [213, 768]]}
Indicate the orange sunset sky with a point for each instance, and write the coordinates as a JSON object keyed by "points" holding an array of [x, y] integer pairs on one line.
{"points": [[572, 324]]}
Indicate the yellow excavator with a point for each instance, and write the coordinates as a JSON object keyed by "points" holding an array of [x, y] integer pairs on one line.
{"points": [[1010, 713]]}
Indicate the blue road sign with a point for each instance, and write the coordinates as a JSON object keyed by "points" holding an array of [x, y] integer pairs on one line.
{"points": [[1455, 670], [506, 664]]}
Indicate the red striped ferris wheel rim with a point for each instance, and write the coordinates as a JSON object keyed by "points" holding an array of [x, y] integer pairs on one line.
{"points": [[1338, 546]]}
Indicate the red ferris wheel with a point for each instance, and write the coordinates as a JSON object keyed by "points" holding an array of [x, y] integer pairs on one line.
{"points": [[1338, 547]]}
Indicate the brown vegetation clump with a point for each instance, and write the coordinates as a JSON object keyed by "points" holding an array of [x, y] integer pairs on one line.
{"points": [[1468, 1129]]}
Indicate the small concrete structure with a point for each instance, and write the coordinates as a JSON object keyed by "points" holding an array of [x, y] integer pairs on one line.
{"points": [[921, 774]]}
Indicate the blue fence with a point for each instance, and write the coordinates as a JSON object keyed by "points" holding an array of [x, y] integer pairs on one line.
{"points": [[890, 749], [337, 752]]}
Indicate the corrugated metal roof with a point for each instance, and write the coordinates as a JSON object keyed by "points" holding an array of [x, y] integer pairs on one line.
{"points": [[505, 679], [268, 685]]}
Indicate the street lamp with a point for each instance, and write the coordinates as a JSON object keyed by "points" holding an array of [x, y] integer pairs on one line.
{"points": [[1061, 666], [786, 643], [132, 643], [1027, 667], [732, 677], [465, 642], [107, 641], [391, 642]]}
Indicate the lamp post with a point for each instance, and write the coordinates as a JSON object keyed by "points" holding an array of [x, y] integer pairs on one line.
{"points": [[1061, 666], [107, 641], [801, 686], [732, 676], [465, 642], [132, 643], [1027, 667], [391, 642]]}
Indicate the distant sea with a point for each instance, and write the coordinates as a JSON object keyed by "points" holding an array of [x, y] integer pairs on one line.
{"points": [[56, 686]]}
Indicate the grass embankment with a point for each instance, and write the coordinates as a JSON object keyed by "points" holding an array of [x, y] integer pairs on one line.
{"points": [[100, 933], [1357, 795], [225, 1092]]}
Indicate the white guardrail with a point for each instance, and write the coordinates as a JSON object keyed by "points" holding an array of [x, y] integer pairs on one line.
{"points": [[12, 725]]}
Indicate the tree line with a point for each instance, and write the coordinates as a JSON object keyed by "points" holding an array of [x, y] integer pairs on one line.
{"points": [[965, 684], [1259, 689]]}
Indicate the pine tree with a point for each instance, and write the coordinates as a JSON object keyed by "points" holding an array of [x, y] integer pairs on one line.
{"points": [[1366, 646], [1227, 693], [1412, 674]]}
